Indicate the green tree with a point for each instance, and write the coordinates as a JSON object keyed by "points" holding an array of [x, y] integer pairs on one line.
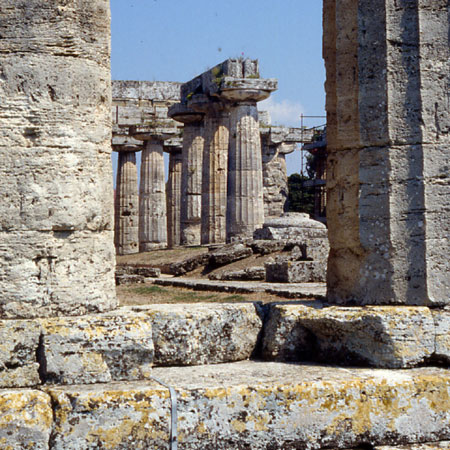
{"points": [[301, 198]]}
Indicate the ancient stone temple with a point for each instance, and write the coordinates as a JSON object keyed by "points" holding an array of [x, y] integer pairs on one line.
{"points": [[388, 72], [140, 120], [225, 376], [56, 228], [232, 186]]}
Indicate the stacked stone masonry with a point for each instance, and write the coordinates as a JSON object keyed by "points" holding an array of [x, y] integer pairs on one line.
{"points": [[388, 135]]}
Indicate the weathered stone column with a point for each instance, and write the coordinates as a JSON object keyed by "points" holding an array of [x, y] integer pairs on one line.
{"points": [[191, 173], [174, 196], [152, 197], [388, 73], [126, 207], [276, 143], [214, 175], [56, 202], [245, 204]]}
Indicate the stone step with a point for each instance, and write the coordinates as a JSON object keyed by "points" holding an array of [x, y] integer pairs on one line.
{"points": [[124, 345], [244, 405]]}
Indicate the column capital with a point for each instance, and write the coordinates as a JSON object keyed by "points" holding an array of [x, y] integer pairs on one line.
{"points": [[182, 113], [243, 90], [126, 148], [153, 132]]}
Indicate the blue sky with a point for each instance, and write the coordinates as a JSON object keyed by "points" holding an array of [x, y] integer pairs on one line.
{"points": [[175, 40]]}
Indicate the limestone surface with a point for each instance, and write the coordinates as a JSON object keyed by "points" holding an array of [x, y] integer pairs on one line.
{"points": [[19, 340], [376, 336], [203, 333], [55, 175], [388, 170], [25, 419], [126, 204], [296, 271], [257, 406], [96, 349], [229, 253], [298, 228], [442, 445], [442, 323]]}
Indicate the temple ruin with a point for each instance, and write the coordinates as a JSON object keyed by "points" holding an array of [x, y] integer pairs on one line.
{"points": [[78, 372], [165, 110]]}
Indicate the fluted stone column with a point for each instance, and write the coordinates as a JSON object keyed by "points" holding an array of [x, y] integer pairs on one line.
{"points": [[126, 207], [245, 201], [152, 197], [191, 174], [56, 196], [174, 197], [215, 164], [388, 73]]}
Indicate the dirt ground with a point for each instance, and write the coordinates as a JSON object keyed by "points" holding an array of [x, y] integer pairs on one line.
{"points": [[141, 294]]}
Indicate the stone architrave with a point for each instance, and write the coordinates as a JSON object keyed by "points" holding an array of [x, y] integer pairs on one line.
{"points": [[173, 196], [126, 203], [388, 72], [56, 202], [191, 173]]}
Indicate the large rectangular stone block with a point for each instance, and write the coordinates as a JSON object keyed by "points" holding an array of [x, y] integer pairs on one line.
{"points": [[193, 334], [96, 349], [392, 337], [257, 406]]}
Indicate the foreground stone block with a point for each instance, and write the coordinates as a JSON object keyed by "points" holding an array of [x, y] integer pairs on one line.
{"points": [[97, 349], [192, 334], [296, 271], [25, 420], [257, 406], [443, 445], [19, 340], [376, 336]]}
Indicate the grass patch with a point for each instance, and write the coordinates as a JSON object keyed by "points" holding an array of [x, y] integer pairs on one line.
{"points": [[146, 290], [235, 298], [195, 297]]}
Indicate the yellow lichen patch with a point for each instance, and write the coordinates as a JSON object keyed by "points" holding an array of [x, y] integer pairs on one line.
{"points": [[201, 428], [239, 425]]}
